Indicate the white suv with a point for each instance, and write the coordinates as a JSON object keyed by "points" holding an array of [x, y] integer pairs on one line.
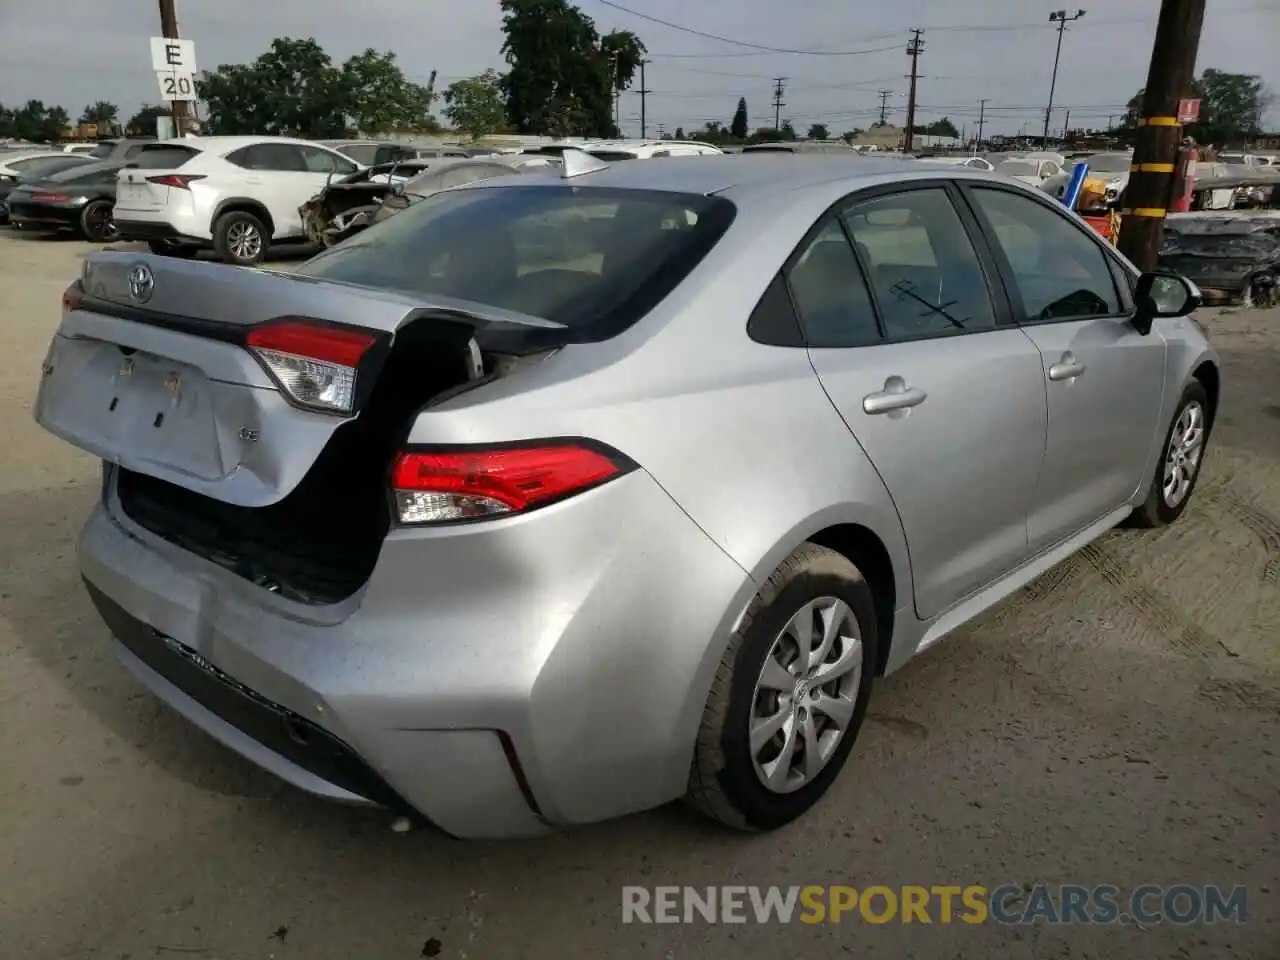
{"points": [[239, 195]]}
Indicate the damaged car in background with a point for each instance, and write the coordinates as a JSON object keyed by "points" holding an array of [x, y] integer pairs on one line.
{"points": [[347, 206], [1234, 254]]}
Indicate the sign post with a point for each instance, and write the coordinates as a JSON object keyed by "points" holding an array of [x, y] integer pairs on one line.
{"points": [[174, 62]]}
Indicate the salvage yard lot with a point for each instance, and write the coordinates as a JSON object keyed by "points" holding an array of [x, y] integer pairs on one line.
{"points": [[1115, 722]]}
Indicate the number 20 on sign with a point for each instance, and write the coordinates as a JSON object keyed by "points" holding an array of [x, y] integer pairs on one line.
{"points": [[176, 86]]}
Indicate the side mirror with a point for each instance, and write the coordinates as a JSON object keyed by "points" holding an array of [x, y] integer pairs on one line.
{"points": [[1162, 294]]}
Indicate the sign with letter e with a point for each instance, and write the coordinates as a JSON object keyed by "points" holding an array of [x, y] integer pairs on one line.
{"points": [[173, 56]]}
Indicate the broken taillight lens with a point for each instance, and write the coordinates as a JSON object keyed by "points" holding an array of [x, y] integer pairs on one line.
{"points": [[314, 364], [471, 484]]}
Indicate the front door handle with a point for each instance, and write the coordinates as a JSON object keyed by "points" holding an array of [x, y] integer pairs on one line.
{"points": [[1068, 368], [896, 395]]}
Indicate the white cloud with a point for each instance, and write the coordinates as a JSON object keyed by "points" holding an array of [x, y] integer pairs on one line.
{"points": [[71, 53]]}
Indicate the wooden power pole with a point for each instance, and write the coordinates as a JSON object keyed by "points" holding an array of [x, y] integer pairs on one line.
{"points": [[169, 30], [644, 93], [914, 49], [1150, 189]]}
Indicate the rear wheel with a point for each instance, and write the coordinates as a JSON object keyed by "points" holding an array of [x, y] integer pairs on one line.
{"points": [[1181, 457], [240, 238], [96, 223], [790, 695]]}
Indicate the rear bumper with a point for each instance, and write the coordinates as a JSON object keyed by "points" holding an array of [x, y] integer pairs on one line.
{"points": [[548, 670], [149, 230], [50, 216]]}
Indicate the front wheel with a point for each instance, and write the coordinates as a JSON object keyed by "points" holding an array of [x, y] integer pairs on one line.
{"points": [[790, 695], [240, 238], [96, 222], [1181, 457]]}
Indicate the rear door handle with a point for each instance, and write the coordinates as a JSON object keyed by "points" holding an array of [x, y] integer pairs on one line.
{"points": [[1068, 368], [896, 395]]}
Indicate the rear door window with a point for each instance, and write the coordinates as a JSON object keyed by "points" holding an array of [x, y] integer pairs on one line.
{"points": [[594, 259], [923, 268]]}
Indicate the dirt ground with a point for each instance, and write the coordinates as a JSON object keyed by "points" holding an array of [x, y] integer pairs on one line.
{"points": [[1114, 723]]}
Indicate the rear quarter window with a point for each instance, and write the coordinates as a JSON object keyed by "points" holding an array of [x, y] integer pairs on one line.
{"points": [[593, 259]]}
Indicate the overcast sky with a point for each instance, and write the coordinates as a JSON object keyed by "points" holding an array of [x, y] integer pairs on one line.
{"points": [[71, 52]]}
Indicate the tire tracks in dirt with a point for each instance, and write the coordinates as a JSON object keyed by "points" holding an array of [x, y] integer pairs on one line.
{"points": [[1181, 632], [1264, 526]]}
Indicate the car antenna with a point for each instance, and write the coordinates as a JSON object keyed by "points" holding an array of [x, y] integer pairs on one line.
{"points": [[578, 163]]}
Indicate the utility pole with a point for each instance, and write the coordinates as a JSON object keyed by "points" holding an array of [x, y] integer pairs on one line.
{"points": [[1173, 65], [1061, 19], [644, 92], [914, 48], [169, 30], [884, 106], [1066, 124], [982, 118], [779, 88]]}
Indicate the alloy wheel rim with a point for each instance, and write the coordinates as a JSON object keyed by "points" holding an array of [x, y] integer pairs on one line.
{"points": [[244, 240], [803, 702], [1183, 455]]}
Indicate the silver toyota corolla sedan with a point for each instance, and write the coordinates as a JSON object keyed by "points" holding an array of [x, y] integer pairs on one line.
{"points": [[559, 497]]}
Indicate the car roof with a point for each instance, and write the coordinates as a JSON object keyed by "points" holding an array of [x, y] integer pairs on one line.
{"points": [[745, 174], [234, 143]]}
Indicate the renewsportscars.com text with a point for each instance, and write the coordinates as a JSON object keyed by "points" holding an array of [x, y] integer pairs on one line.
{"points": [[1012, 904]]}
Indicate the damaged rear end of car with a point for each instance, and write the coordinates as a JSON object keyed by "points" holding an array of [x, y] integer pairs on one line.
{"points": [[333, 536], [236, 412]]}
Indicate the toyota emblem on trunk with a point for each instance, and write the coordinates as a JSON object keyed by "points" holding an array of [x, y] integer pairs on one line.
{"points": [[142, 283]]}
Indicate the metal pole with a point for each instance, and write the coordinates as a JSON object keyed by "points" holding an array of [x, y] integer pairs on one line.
{"points": [[1061, 19], [644, 126], [913, 50], [982, 116]]}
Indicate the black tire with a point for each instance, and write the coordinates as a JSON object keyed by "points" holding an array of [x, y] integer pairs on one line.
{"points": [[723, 783], [164, 248], [224, 235], [1156, 511], [96, 224]]}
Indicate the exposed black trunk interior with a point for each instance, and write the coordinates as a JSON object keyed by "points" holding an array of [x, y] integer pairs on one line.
{"points": [[320, 543]]}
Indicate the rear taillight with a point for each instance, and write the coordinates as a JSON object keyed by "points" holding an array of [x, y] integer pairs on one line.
{"points": [[441, 486], [72, 297], [42, 197], [181, 181], [314, 364]]}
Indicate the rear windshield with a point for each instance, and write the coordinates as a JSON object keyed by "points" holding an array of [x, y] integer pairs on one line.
{"points": [[1109, 163], [593, 259], [162, 156], [103, 149], [43, 166], [87, 171]]}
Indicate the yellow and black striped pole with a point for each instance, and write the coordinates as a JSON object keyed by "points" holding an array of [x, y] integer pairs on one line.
{"points": [[1169, 78]]}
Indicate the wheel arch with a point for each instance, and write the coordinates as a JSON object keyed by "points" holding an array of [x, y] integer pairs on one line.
{"points": [[1210, 378], [873, 543], [244, 205]]}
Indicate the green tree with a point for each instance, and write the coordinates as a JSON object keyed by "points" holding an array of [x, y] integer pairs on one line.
{"points": [[942, 128], [102, 113], [34, 121], [787, 131], [818, 131], [6, 121], [1231, 108], [144, 121], [379, 98], [292, 89], [474, 104], [851, 135], [563, 74], [738, 126]]}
